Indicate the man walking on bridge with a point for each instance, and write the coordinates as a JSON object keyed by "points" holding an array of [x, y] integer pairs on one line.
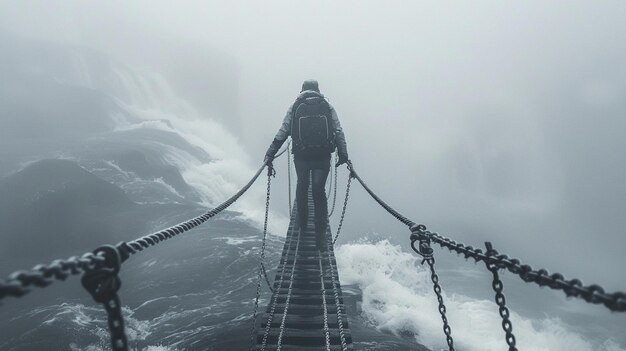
{"points": [[316, 132]]}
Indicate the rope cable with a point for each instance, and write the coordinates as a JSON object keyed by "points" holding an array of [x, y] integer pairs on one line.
{"points": [[572, 288], [18, 283]]}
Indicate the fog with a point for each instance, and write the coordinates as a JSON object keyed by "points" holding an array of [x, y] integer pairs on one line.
{"points": [[485, 121]]}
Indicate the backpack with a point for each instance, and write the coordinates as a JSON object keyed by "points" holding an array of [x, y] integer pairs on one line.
{"points": [[312, 127]]}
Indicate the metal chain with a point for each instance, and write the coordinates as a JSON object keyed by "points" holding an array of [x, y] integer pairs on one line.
{"points": [[270, 173], [342, 337], [388, 208], [289, 290], [152, 239], [270, 318], [326, 331], [289, 179], [442, 307], [500, 300], [343, 210], [572, 288], [103, 285], [334, 187], [18, 283]]}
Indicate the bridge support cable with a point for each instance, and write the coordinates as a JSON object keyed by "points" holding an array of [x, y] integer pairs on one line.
{"points": [[422, 238], [380, 201], [572, 288], [261, 271], [497, 285], [343, 210], [19, 283], [442, 307], [270, 173]]}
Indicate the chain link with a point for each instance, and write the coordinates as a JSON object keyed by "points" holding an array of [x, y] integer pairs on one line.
{"points": [[270, 173], [343, 210], [572, 288], [500, 299], [442, 307], [18, 283]]}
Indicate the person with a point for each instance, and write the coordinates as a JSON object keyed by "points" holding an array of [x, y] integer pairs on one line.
{"points": [[314, 127]]}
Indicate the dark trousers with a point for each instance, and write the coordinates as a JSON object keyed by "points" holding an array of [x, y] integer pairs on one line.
{"points": [[316, 172]]}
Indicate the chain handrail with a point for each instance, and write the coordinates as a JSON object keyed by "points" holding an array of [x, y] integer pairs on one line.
{"points": [[270, 173], [343, 210], [500, 300], [391, 210], [103, 285], [441, 306], [572, 288], [18, 283]]}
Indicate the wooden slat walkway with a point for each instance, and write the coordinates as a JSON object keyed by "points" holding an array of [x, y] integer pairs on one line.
{"points": [[304, 321]]}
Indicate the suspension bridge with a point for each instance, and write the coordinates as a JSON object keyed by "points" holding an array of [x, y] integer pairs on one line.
{"points": [[306, 310]]}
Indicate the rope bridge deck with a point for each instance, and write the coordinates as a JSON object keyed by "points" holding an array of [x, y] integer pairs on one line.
{"points": [[306, 310]]}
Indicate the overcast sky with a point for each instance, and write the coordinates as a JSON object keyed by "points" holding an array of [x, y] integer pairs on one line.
{"points": [[500, 121]]}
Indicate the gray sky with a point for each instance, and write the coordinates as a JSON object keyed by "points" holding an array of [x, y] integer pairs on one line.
{"points": [[499, 121]]}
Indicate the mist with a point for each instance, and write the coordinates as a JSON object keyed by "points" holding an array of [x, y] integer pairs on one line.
{"points": [[485, 121]]}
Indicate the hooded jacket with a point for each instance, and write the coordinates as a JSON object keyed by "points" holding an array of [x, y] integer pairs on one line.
{"points": [[285, 128]]}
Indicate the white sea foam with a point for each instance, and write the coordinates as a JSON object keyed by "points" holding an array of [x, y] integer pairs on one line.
{"points": [[154, 102], [89, 319], [398, 297], [238, 241], [148, 98]]}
